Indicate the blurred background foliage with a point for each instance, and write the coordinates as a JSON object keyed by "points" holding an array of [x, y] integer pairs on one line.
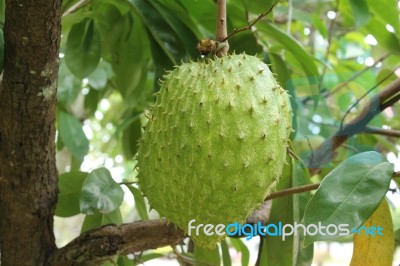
{"points": [[326, 53]]}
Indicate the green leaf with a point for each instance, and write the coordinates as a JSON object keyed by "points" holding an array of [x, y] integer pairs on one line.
{"points": [[125, 261], [281, 211], [242, 248], [292, 45], [184, 16], [207, 257], [198, 10], [258, 7], [92, 99], [355, 187], [385, 77], [187, 37], [130, 138], [360, 11], [140, 204], [83, 48], [99, 219], [69, 191], [72, 135], [300, 177], [320, 25], [386, 11], [150, 256], [386, 40], [379, 249], [1, 50], [2, 12], [130, 56], [246, 40], [111, 25], [99, 78], [226, 257], [100, 193], [270, 31], [69, 86], [163, 34]]}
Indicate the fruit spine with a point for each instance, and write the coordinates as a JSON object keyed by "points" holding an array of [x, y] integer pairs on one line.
{"points": [[215, 143]]}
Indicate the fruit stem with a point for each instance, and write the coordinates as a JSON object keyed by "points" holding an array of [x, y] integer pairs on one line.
{"points": [[222, 31]]}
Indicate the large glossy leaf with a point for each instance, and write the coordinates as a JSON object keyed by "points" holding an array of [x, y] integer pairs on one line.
{"points": [[360, 11], [130, 56], [140, 204], [374, 249], [69, 191], [72, 135], [349, 194], [83, 48], [100, 193], [99, 219]]}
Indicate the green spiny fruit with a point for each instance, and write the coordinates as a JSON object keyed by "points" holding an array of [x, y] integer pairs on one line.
{"points": [[216, 142]]}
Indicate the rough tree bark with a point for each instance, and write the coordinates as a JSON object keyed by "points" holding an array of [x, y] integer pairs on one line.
{"points": [[28, 175]]}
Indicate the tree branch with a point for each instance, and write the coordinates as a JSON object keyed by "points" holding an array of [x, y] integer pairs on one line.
{"points": [[326, 152], [222, 30], [99, 245]]}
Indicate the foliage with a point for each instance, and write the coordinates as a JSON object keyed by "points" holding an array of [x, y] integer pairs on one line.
{"points": [[114, 52]]}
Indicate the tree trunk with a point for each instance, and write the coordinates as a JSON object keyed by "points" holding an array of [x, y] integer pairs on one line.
{"points": [[28, 175]]}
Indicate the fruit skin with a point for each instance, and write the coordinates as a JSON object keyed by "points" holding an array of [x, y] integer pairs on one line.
{"points": [[215, 143]]}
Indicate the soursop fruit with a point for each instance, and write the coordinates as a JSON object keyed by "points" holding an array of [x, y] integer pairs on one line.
{"points": [[215, 143]]}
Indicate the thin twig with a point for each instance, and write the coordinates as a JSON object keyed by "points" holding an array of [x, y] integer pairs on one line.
{"points": [[291, 191], [305, 188], [127, 183], [76, 7], [352, 78], [251, 24], [383, 132], [364, 95], [328, 49], [344, 84]]}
